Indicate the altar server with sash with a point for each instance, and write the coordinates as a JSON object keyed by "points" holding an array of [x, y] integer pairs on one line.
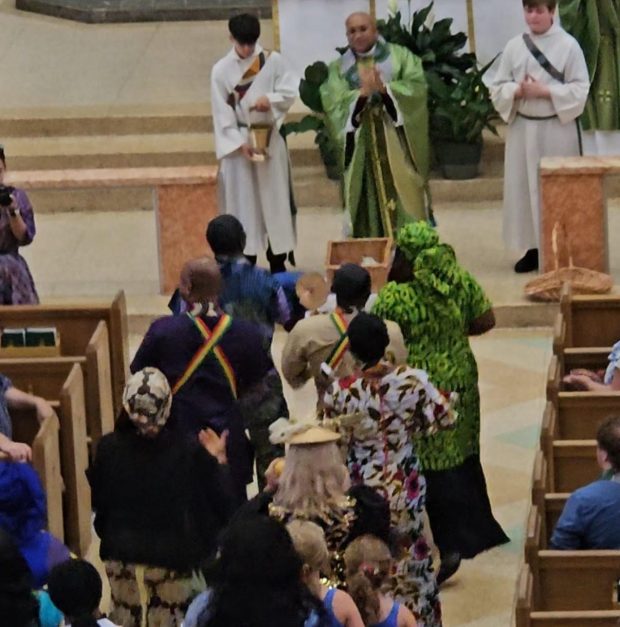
{"points": [[253, 84], [540, 89], [376, 113]]}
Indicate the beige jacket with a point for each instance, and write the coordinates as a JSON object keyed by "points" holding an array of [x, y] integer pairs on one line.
{"points": [[311, 342]]}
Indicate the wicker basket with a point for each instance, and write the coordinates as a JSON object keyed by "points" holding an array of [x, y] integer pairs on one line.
{"points": [[547, 287]]}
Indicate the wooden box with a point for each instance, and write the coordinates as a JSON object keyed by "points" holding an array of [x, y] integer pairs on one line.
{"points": [[354, 251]]}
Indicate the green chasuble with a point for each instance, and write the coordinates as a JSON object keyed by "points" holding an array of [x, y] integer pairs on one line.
{"points": [[384, 160], [595, 24]]}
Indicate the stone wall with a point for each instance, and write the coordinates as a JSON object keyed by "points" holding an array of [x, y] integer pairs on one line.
{"points": [[106, 11]]}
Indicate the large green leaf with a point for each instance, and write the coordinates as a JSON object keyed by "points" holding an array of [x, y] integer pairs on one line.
{"points": [[310, 95]]}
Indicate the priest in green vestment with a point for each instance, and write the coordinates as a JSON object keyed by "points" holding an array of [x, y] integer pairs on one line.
{"points": [[595, 24], [375, 104]]}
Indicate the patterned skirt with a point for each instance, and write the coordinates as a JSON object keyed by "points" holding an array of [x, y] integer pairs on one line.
{"points": [[146, 596], [16, 282]]}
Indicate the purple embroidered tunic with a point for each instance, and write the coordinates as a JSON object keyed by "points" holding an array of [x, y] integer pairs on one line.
{"points": [[16, 283]]}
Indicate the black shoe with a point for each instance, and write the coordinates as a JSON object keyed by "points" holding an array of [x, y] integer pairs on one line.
{"points": [[528, 262], [450, 563]]}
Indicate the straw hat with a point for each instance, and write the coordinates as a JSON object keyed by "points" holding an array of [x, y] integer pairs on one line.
{"points": [[299, 433]]}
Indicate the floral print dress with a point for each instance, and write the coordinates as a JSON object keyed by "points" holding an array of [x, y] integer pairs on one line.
{"points": [[379, 412]]}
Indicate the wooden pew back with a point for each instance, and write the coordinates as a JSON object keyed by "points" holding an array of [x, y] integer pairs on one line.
{"points": [[43, 439], [590, 320], [64, 383], [574, 464], [76, 325], [527, 616]]}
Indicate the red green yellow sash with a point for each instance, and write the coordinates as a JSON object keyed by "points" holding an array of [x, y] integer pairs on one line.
{"points": [[212, 339], [342, 346]]}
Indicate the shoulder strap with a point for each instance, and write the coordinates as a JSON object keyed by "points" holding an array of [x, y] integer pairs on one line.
{"points": [[212, 339], [339, 351], [539, 55]]}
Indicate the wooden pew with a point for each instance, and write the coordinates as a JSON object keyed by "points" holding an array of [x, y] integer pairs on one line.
{"points": [[527, 613], [76, 325], [589, 320], [95, 363], [569, 580], [43, 439], [63, 385], [578, 413]]}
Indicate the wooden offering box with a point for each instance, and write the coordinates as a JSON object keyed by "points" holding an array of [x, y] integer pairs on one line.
{"points": [[354, 251]]}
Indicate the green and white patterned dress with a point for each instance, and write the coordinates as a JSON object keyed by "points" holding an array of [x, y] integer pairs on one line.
{"points": [[434, 312]]}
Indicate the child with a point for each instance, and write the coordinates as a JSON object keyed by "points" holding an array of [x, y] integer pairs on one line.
{"points": [[309, 541], [368, 565], [540, 89], [75, 589], [248, 84]]}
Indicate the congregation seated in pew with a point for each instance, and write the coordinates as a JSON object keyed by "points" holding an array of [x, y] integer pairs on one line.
{"points": [[590, 517], [597, 381], [13, 398]]}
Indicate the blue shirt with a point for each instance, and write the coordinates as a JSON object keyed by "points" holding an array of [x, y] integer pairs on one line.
{"points": [[590, 518]]}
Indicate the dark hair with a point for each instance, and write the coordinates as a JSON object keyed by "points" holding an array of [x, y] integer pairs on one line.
{"points": [[550, 4], [608, 439], [244, 28], [18, 605], [368, 337], [226, 236], [75, 589], [2, 156], [351, 285], [258, 562]]}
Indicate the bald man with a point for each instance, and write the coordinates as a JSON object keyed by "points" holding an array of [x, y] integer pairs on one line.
{"points": [[376, 114], [208, 383]]}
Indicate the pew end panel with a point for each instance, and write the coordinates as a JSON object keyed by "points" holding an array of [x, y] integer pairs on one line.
{"points": [[99, 399], [44, 440]]}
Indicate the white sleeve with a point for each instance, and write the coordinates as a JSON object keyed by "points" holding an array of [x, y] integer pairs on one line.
{"points": [[569, 98], [228, 137], [285, 88], [504, 86]]}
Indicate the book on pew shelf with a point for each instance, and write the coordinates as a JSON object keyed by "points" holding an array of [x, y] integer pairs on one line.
{"points": [[13, 337], [41, 336], [31, 342]]}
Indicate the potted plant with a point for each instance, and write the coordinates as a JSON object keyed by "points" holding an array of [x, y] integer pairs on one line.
{"points": [[462, 109], [309, 92]]}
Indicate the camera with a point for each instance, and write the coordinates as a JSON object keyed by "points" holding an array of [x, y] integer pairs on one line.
{"points": [[5, 195]]}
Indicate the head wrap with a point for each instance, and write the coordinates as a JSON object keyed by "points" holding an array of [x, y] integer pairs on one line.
{"points": [[434, 264], [147, 399]]}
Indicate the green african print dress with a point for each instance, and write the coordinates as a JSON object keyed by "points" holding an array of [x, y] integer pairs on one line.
{"points": [[434, 316]]}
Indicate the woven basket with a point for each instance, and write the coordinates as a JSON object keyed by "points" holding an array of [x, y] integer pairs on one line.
{"points": [[547, 287]]}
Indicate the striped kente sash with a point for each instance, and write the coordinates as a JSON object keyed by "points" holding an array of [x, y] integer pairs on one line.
{"points": [[339, 351], [210, 346], [240, 90]]}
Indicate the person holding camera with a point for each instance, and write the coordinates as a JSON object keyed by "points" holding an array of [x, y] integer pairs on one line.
{"points": [[16, 229]]}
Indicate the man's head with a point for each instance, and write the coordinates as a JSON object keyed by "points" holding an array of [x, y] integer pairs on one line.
{"points": [[368, 337], [201, 280], [539, 15], [244, 32], [608, 444], [361, 32], [226, 236], [351, 285]]}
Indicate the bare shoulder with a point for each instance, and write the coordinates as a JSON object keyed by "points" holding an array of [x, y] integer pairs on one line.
{"points": [[346, 611], [405, 617]]}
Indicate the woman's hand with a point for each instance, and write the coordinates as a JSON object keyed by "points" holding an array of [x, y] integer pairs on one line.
{"points": [[214, 444], [44, 409], [273, 474], [16, 451]]}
